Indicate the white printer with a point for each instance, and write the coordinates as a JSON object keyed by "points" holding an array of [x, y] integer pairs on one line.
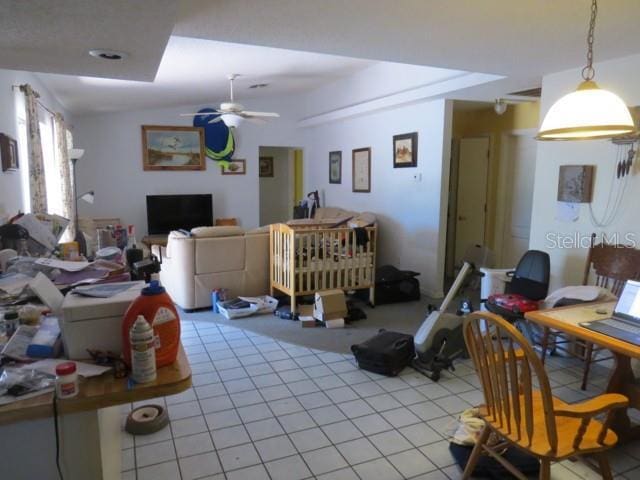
{"points": [[95, 323]]}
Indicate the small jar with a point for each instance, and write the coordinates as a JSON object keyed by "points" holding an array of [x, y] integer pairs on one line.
{"points": [[66, 380], [11, 322]]}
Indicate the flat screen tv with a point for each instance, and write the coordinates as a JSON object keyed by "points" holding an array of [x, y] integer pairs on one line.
{"points": [[174, 212]]}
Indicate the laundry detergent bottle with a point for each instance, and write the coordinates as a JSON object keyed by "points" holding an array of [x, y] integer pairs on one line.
{"points": [[155, 305]]}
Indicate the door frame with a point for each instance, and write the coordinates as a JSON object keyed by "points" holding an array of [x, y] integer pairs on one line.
{"points": [[503, 208], [452, 213]]}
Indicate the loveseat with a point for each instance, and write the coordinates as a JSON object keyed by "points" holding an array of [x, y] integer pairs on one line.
{"points": [[214, 257]]}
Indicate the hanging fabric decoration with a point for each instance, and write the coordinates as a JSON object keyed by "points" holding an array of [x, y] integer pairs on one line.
{"points": [[64, 168], [37, 185], [218, 138]]}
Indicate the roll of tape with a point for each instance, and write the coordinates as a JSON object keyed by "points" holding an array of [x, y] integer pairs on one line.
{"points": [[146, 420]]}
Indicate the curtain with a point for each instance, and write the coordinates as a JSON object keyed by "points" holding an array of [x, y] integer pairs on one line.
{"points": [[64, 168], [37, 186]]}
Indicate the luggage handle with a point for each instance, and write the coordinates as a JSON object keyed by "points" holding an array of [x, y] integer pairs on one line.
{"points": [[399, 344]]}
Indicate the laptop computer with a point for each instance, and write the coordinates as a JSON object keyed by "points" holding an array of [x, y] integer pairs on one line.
{"points": [[624, 324]]}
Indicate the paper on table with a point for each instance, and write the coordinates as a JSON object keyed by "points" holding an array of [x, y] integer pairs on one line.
{"points": [[13, 283], [62, 264], [49, 365]]}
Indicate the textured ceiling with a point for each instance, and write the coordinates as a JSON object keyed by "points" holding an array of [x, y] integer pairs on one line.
{"points": [[508, 37], [55, 35]]}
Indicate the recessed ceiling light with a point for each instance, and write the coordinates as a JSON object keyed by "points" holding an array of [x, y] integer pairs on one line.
{"points": [[107, 54], [259, 85]]}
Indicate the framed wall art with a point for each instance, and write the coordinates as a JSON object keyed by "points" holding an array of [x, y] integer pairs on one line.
{"points": [[236, 167], [335, 167], [172, 148], [405, 150], [8, 153], [361, 175], [265, 166], [575, 183]]}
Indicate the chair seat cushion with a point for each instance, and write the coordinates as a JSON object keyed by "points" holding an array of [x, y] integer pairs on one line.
{"points": [[210, 232]]}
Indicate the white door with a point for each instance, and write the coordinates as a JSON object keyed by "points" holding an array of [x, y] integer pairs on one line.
{"points": [[520, 162], [472, 194]]}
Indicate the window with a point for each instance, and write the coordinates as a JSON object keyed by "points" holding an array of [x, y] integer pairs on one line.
{"points": [[51, 165]]}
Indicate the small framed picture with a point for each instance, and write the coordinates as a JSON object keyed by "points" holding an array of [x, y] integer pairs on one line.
{"points": [[405, 150], [361, 176], [265, 166], [172, 148], [335, 167], [8, 153], [236, 167], [575, 183]]}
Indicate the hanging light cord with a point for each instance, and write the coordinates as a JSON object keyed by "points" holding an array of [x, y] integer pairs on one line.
{"points": [[589, 72]]}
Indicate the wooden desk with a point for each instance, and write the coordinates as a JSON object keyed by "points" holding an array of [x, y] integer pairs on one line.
{"points": [[622, 379], [150, 240], [89, 426]]}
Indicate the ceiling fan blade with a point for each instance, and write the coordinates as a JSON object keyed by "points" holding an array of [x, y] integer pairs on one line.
{"points": [[200, 114], [215, 120], [261, 114]]}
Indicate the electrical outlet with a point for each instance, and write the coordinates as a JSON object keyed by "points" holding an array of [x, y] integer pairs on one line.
{"points": [[417, 177]]}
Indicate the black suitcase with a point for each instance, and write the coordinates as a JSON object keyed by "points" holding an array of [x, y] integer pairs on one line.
{"points": [[387, 353], [394, 286]]}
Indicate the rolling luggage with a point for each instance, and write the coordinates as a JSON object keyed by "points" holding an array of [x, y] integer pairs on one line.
{"points": [[387, 353]]}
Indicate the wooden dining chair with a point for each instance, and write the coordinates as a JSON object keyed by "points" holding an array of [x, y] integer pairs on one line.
{"points": [[608, 266], [519, 409]]}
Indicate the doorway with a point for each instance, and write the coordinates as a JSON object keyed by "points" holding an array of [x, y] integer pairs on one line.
{"points": [[519, 152], [280, 183]]}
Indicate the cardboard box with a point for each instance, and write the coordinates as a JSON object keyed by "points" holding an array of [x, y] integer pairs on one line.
{"points": [[305, 316], [335, 323], [330, 305]]}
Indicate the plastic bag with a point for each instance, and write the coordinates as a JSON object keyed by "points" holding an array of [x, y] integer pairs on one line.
{"points": [[20, 381]]}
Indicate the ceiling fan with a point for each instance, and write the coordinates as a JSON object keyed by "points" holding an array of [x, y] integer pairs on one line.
{"points": [[232, 113]]}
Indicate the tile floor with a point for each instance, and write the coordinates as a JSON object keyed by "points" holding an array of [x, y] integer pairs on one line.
{"points": [[264, 409]]}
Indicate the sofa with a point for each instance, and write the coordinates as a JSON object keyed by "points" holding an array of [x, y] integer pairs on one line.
{"points": [[214, 257]]}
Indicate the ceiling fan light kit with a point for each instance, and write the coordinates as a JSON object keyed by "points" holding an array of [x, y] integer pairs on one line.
{"points": [[590, 112]]}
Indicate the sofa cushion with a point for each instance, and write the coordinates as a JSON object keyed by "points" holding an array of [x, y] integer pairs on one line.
{"points": [[258, 231], [329, 212], [219, 254], [209, 232]]}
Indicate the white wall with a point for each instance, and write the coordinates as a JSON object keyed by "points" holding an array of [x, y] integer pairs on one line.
{"points": [[11, 193], [411, 214], [276, 193], [567, 264], [112, 165]]}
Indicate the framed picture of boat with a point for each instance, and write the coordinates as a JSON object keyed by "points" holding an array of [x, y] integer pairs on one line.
{"points": [[172, 148]]}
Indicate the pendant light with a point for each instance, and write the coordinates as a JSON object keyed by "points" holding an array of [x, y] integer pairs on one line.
{"points": [[590, 112]]}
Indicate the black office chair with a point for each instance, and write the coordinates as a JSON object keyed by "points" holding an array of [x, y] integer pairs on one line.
{"points": [[529, 284]]}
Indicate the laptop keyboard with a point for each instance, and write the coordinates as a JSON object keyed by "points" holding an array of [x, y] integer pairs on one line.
{"points": [[622, 326]]}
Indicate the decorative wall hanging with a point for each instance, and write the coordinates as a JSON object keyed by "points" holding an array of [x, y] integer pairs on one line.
{"points": [[172, 148], [218, 138], [335, 167], [405, 150], [575, 183], [8, 153], [361, 173], [235, 167], [265, 166]]}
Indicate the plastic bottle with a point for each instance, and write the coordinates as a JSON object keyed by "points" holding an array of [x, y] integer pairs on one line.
{"points": [[155, 305], [66, 380], [143, 354]]}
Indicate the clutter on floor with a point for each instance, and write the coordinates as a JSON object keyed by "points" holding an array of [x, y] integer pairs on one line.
{"points": [[394, 285], [387, 353]]}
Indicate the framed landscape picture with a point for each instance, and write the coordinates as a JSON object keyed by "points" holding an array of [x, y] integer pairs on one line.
{"points": [[335, 167], [236, 167], [361, 175], [8, 153], [405, 150], [172, 148], [265, 166]]}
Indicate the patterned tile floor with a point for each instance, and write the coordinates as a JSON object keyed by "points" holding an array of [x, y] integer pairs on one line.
{"points": [[264, 409]]}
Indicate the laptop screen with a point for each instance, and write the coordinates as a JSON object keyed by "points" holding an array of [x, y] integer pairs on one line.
{"points": [[628, 305]]}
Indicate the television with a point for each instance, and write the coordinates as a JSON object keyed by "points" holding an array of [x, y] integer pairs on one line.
{"points": [[174, 212]]}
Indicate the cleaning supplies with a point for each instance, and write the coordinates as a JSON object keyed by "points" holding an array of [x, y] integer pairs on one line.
{"points": [[143, 354], [155, 305]]}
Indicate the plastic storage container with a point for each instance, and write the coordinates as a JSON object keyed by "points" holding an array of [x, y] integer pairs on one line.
{"points": [[155, 305]]}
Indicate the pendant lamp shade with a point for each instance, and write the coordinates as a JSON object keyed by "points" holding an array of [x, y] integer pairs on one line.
{"points": [[588, 113]]}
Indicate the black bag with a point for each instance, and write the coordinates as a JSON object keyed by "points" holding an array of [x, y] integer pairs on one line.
{"points": [[488, 467], [394, 286], [387, 353]]}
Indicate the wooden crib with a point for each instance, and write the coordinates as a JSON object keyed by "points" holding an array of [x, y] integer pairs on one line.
{"points": [[305, 260]]}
